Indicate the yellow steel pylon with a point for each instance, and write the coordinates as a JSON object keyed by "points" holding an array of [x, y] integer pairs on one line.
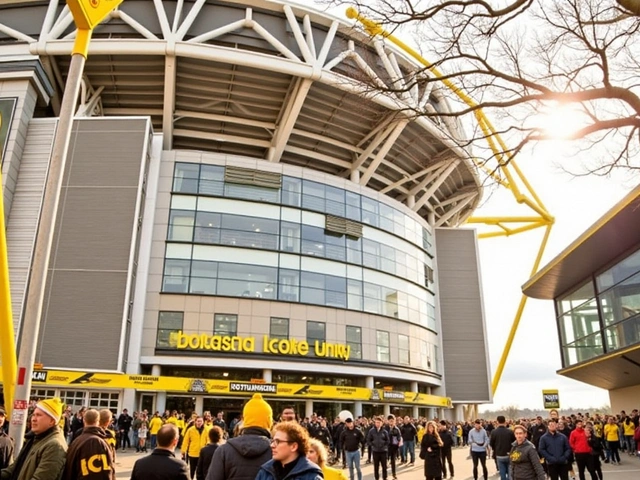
{"points": [[506, 165]]}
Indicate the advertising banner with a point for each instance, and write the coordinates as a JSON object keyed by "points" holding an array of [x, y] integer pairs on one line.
{"points": [[71, 379], [551, 398]]}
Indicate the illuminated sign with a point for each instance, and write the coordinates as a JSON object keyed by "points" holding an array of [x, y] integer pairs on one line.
{"points": [[275, 346]]}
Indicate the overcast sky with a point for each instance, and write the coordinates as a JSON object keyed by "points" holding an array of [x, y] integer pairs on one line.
{"points": [[576, 202]]}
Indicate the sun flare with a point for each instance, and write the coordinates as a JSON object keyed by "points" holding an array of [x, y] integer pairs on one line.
{"points": [[561, 123]]}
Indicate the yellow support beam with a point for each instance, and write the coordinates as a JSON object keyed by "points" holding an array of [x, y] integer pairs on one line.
{"points": [[7, 338], [502, 174]]}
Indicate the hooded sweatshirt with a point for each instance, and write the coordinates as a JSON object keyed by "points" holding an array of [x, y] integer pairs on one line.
{"points": [[525, 462], [241, 457]]}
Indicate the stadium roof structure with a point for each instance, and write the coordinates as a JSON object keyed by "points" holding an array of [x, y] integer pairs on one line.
{"points": [[267, 80]]}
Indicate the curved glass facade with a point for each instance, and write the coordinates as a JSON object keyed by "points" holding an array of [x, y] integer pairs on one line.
{"points": [[263, 247], [603, 314]]}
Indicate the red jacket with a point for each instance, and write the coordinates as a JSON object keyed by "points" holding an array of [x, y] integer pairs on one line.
{"points": [[578, 441]]}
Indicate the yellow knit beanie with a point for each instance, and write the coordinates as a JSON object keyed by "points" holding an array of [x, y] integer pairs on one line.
{"points": [[257, 413], [52, 407]]}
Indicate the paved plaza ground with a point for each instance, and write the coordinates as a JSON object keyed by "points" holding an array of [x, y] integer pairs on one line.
{"points": [[629, 470]]}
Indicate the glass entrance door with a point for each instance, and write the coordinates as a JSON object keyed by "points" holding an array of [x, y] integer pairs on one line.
{"points": [[186, 405]]}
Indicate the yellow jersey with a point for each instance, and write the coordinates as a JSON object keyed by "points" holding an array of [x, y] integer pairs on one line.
{"points": [[154, 425], [611, 432]]}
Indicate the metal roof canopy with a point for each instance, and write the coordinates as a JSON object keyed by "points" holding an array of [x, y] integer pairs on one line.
{"points": [[611, 236]]}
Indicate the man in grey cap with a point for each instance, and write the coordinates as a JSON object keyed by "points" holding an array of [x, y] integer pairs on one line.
{"points": [[6, 443]]}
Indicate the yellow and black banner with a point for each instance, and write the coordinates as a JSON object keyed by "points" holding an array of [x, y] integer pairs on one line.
{"points": [[551, 398], [73, 379]]}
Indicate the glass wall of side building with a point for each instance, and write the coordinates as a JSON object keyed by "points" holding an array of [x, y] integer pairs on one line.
{"points": [[602, 315]]}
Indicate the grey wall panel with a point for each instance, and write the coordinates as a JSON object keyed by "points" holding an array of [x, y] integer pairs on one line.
{"points": [[90, 261], [464, 343]]}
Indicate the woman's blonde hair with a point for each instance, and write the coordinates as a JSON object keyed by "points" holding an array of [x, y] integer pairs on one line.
{"points": [[435, 431], [318, 447]]}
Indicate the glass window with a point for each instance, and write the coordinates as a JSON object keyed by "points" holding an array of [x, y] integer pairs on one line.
{"points": [[369, 211], [335, 247], [390, 302], [211, 180], [208, 227], [73, 398], [352, 201], [203, 277], [100, 400], [185, 178], [336, 291], [289, 285], [252, 232], [313, 240], [623, 334], [579, 296], [225, 324], [42, 393], [580, 322], [382, 346], [290, 237], [238, 280], [354, 250], [168, 323], [627, 267], [386, 217], [354, 293], [403, 349], [370, 254], [313, 196], [583, 349], [621, 301], [312, 288], [425, 355], [372, 298], [316, 332], [334, 203], [354, 340], [176, 276], [291, 191], [181, 225], [279, 328]]}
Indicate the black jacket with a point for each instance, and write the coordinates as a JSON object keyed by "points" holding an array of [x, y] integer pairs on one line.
{"points": [[241, 457], [90, 449], [160, 465], [204, 461], [501, 440], [447, 440], [409, 432], [351, 439], [378, 440]]}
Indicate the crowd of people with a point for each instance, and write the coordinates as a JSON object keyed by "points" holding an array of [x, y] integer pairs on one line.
{"points": [[61, 444]]}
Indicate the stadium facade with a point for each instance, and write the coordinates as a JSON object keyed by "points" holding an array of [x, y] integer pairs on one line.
{"points": [[595, 286], [241, 212]]}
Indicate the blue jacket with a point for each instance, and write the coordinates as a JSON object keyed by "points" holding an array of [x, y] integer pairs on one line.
{"points": [[554, 448], [304, 470]]}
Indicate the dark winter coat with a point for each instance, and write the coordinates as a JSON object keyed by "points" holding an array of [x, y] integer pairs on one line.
{"points": [[303, 470], [90, 457], [554, 448], [501, 440], [204, 461], [241, 457], [525, 462], [432, 462], [160, 465], [378, 440], [409, 432]]}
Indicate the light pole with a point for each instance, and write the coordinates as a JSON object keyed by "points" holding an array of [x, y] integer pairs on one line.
{"points": [[86, 14]]}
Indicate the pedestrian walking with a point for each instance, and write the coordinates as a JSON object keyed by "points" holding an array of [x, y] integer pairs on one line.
{"points": [[430, 446], [378, 441]]}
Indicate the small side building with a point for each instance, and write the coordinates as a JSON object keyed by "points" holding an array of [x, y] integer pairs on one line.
{"points": [[595, 286]]}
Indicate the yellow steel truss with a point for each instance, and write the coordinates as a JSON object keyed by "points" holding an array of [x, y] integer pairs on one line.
{"points": [[506, 166]]}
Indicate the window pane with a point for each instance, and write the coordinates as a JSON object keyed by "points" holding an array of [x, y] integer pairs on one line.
{"points": [[313, 196], [290, 237], [211, 180], [252, 192], [279, 328], [352, 206], [181, 225], [403, 350], [580, 322], [168, 322], [185, 178], [621, 301], [176, 276], [576, 298], [225, 324], [289, 285], [316, 331], [619, 272], [583, 349], [207, 228], [354, 340], [291, 191]]}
